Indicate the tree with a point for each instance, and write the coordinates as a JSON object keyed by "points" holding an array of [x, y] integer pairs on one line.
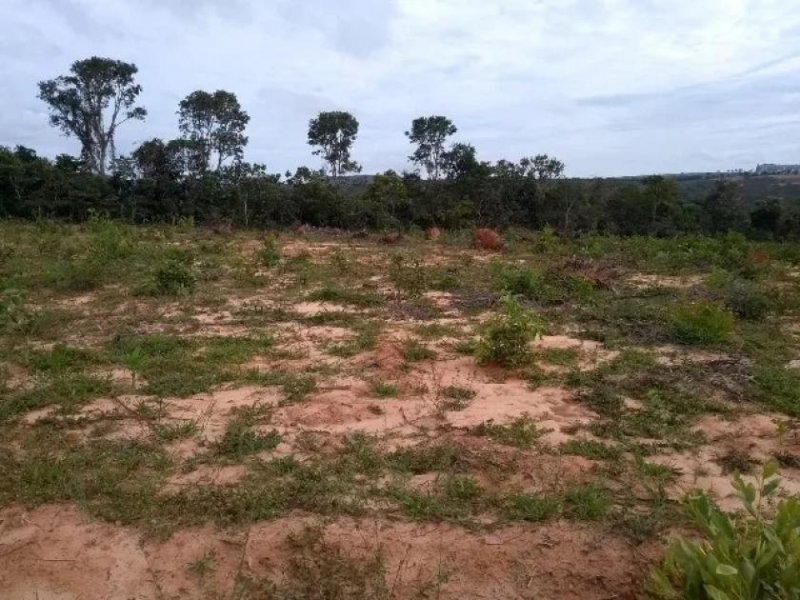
{"points": [[430, 134], [212, 124], [91, 103], [334, 133]]}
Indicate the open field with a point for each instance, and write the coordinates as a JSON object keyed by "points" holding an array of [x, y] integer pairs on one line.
{"points": [[191, 414]]}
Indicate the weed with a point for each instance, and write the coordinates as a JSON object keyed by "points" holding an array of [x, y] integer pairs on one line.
{"points": [[507, 336], [413, 351], [703, 323], [520, 433], [240, 440], [384, 390], [176, 431], [746, 300], [459, 394], [173, 278], [591, 449], [204, 564], [366, 339], [344, 296], [565, 357], [531, 507], [779, 388], [587, 502], [269, 255]]}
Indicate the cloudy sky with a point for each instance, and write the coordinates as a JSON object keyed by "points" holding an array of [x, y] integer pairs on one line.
{"points": [[609, 86]]}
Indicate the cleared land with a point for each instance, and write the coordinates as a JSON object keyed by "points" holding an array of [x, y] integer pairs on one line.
{"points": [[188, 414]]}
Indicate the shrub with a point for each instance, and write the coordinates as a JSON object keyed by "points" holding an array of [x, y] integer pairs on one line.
{"points": [[269, 254], [702, 323], [507, 336], [173, 278], [747, 556]]}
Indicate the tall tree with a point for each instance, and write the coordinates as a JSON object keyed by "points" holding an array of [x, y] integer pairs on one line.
{"points": [[430, 135], [91, 102], [214, 124], [333, 133]]}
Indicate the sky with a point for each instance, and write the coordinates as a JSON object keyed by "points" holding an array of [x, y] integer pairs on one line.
{"points": [[611, 87]]}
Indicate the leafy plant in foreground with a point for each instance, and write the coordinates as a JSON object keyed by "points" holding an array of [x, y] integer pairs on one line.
{"points": [[749, 557]]}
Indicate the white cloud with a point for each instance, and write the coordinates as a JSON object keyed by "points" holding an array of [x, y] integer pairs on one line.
{"points": [[610, 86]]}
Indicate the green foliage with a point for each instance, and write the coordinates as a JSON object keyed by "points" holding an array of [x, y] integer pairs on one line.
{"points": [[703, 323], [751, 556], [506, 338]]}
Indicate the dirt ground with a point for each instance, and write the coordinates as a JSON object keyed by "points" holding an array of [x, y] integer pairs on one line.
{"points": [[315, 420]]}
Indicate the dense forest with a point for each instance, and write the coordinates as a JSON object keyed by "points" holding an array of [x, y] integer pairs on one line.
{"points": [[202, 175]]}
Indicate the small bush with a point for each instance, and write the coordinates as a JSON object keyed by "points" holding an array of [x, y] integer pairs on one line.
{"points": [[703, 323], [748, 556], [173, 278], [269, 254], [506, 338]]}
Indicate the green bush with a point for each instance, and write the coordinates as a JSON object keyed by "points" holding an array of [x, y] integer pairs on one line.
{"points": [[703, 323], [749, 557], [506, 338], [173, 278]]}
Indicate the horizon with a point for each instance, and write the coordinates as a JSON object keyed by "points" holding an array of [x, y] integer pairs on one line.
{"points": [[620, 90]]}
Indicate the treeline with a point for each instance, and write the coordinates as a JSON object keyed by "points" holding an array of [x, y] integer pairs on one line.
{"points": [[202, 175]]}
